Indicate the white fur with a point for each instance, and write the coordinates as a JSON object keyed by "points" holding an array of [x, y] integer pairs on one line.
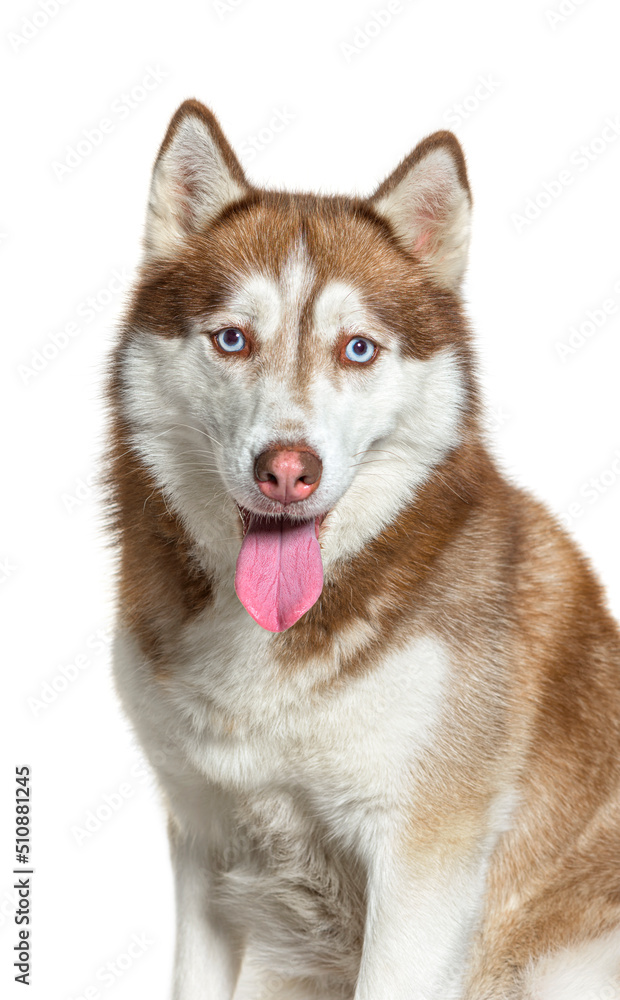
{"points": [[589, 971], [250, 762], [340, 306], [264, 303], [296, 773], [421, 917]]}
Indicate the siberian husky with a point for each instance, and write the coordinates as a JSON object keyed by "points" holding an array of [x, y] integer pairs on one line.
{"points": [[379, 685]]}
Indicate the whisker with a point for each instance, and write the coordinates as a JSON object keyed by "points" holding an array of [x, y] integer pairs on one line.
{"points": [[209, 437]]}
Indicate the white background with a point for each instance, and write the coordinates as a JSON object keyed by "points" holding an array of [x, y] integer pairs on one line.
{"points": [[357, 99]]}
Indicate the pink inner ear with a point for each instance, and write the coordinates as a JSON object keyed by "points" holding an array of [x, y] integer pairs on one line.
{"points": [[183, 194], [429, 216], [422, 240]]}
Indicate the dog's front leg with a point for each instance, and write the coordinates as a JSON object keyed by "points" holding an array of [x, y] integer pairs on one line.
{"points": [[208, 954], [422, 910]]}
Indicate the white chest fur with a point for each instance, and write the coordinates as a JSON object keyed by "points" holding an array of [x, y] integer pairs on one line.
{"points": [[284, 782], [226, 712]]}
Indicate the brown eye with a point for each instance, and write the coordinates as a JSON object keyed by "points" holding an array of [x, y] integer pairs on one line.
{"points": [[231, 340]]}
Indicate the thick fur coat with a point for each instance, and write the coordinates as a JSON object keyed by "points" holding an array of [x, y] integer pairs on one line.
{"points": [[412, 792]]}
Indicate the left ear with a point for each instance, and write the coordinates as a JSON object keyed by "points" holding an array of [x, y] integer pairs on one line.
{"points": [[195, 177], [427, 203]]}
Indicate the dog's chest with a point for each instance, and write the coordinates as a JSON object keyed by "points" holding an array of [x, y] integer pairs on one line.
{"points": [[283, 778], [233, 717]]}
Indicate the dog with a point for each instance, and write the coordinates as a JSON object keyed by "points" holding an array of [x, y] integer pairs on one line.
{"points": [[378, 683]]}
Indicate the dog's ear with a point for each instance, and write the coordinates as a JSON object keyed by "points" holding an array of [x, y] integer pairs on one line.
{"points": [[196, 175], [427, 203]]}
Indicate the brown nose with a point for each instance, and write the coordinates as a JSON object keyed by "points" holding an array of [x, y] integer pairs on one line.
{"points": [[288, 476]]}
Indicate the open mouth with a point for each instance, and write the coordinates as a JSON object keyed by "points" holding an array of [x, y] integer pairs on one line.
{"points": [[248, 517], [279, 574]]}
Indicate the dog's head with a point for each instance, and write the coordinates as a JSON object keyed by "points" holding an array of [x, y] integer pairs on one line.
{"points": [[295, 366]]}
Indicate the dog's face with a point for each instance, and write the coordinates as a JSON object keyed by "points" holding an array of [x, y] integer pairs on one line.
{"points": [[296, 364]]}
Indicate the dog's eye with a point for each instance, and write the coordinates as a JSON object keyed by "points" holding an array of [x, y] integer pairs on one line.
{"points": [[231, 340], [359, 349]]}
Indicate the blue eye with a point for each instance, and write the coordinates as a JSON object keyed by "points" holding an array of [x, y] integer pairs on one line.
{"points": [[360, 349], [230, 340]]}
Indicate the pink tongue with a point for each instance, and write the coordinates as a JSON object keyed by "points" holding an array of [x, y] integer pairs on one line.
{"points": [[279, 571]]}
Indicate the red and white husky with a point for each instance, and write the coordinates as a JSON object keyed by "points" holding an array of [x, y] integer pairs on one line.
{"points": [[379, 685]]}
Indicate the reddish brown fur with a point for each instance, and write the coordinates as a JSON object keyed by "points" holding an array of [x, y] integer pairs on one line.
{"points": [[161, 584]]}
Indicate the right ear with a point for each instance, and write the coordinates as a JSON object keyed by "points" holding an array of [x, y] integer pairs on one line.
{"points": [[427, 203], [196, 175]]}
